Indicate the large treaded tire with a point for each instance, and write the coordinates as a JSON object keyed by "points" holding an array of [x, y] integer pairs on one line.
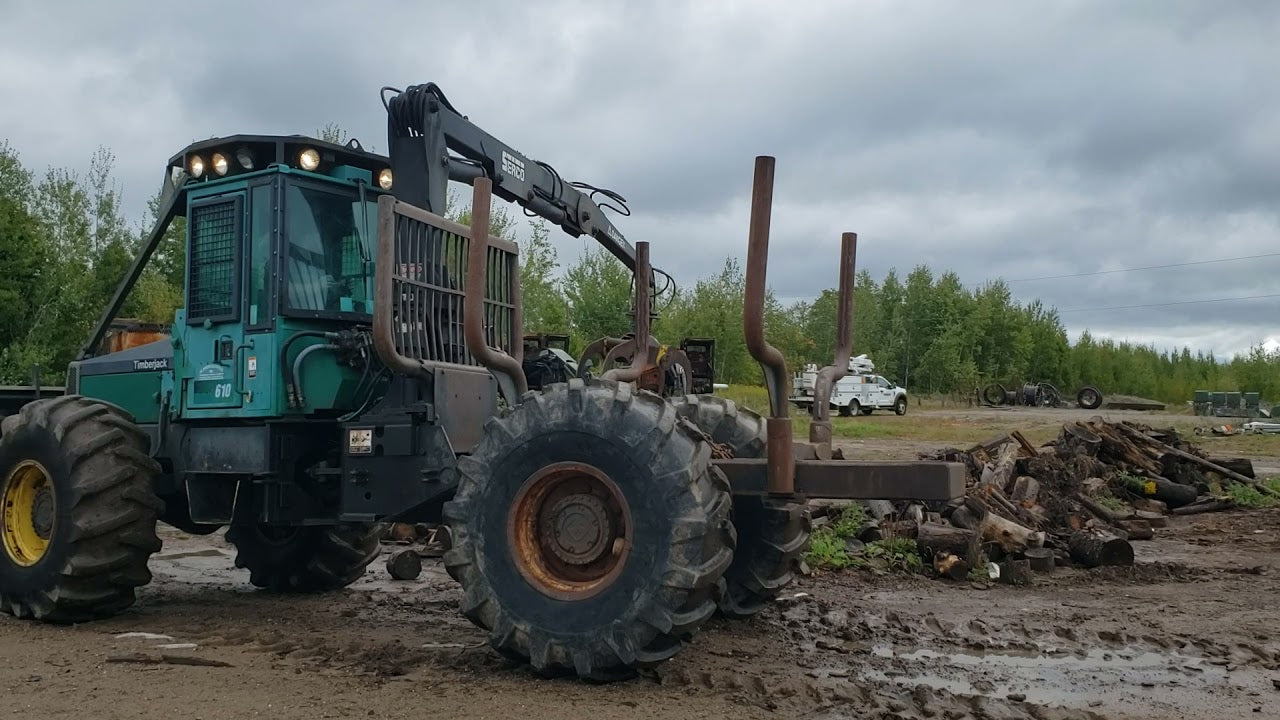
{"points": [[678, 505], [105, 510], [1089, 398], [304, 559], [771, 534]]}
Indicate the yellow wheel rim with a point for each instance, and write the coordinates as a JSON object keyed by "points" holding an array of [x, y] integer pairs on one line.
{"points": [[28, 513]]}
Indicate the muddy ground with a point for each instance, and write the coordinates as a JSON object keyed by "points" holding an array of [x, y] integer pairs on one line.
{"points": [[1190, 632]]}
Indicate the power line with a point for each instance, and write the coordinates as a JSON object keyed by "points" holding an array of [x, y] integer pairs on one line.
{"points": [[1167, 304], [1147, 267]]}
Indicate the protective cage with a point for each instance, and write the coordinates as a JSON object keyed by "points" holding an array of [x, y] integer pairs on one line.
{"points": [[420, 278]]}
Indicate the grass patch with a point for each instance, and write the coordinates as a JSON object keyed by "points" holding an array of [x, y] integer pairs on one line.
{"points": [[1113, 503], [891, 554], [1251, 497], [828, 551], [827, 543]]}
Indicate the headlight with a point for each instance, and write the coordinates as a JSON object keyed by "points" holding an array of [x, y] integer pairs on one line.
{"points": [[196, 166], [245, 158], [384, 179], [309, 159], [220, 164]]}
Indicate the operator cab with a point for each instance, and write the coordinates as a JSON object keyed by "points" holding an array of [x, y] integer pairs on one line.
{"points": [[310, 210], [280, 246]]}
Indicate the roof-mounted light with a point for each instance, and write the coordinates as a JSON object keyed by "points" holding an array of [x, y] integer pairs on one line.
{"points": [[245, 158], [309, 159], [196, 166], [384, 179], [220, 164]]}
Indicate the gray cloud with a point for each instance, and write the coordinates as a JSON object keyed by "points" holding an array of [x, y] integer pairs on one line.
{"points": [[1007, 140]]}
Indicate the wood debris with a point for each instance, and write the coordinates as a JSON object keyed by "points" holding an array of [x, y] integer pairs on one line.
{"points": [[1082, 499]]}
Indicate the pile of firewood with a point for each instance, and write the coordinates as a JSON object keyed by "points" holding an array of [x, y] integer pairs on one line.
{"points": [[1081, 499]]}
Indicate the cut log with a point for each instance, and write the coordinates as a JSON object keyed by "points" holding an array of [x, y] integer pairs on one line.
{"points": [[998, 473], [1077, 439], [1156, 520], [1137, 529], [1015, 572], [914, 513], [1200, 461], [402, 533], [965, 518], [1094, 486], [1244, 466], [1095, 548], [871, 533], [1009, 535], [1207, 505], [934, 540], [1151, 505], [951, 566], [1041, 559], [1028, 450], [880, 509], [1026, 490], [1096, 508], [404, 565], [1166, 491]]}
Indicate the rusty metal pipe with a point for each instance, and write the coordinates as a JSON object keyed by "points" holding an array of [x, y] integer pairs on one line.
{"points": [[820, 428], [779, 449], [642, 357], [505, 369], [770, 359]]}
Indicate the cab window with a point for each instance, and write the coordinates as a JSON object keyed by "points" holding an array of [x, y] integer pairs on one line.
{"points": [[329, 266]]}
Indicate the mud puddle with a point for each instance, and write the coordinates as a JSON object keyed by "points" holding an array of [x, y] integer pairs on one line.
{"points": [[1081, 678]]}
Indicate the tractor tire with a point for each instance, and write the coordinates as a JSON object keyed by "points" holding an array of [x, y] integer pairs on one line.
{"points": [[771, 533], [1089, 398], [590, 531], [304, 559], [900, 406], [994, 394], [77, 510]]}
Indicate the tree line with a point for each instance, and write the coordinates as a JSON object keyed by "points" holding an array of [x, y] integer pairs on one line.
{"points": [[65, 242]]}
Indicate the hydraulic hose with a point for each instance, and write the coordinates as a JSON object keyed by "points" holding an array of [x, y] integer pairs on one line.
{"points": [[297, 366]]}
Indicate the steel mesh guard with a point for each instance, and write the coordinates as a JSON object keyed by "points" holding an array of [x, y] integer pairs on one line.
{"points": [[212, 265]]}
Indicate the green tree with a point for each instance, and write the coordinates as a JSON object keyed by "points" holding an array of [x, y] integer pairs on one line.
{"points": [[545, 308], [598, 291]]}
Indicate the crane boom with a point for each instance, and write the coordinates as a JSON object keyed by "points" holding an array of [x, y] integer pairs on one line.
{"points": [[431, 143]]}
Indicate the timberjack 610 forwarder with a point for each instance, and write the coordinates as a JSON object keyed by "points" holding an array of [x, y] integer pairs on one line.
{"points": [[347, 357]]}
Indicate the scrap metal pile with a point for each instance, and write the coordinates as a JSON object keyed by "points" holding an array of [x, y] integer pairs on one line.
{"points": [[1078, 500]]}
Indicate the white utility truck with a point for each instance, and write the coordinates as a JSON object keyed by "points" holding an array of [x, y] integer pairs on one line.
{"points": [[859, 392]]}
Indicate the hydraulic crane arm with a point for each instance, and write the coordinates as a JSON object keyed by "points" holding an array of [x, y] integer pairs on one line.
{"points": [[431, 143]]}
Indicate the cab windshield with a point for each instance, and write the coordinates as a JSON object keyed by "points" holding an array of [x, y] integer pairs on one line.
{"points": [[329, 263]]}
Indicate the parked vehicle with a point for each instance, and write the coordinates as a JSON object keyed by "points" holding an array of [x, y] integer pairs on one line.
{"points": [[862, 391]]}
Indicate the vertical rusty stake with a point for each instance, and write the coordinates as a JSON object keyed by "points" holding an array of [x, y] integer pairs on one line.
{"points": [[781, 463], [820, 427], [642, 352], [505, 369], [643, 275]]}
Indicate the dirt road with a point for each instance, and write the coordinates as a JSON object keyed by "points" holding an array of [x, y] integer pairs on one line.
{"points": [[1188, 633]]}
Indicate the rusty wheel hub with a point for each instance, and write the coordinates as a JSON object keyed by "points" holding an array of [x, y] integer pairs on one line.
{"points": [[569, 530]]}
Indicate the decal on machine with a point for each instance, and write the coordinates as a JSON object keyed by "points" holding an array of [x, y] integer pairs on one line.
{"points": [[360, 441], [152, 364]]}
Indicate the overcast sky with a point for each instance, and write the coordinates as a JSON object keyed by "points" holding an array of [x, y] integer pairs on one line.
{"points": [[1016, 140]]}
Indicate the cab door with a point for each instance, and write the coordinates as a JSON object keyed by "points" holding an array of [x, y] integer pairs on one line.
{"points": [[214, 333]]}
